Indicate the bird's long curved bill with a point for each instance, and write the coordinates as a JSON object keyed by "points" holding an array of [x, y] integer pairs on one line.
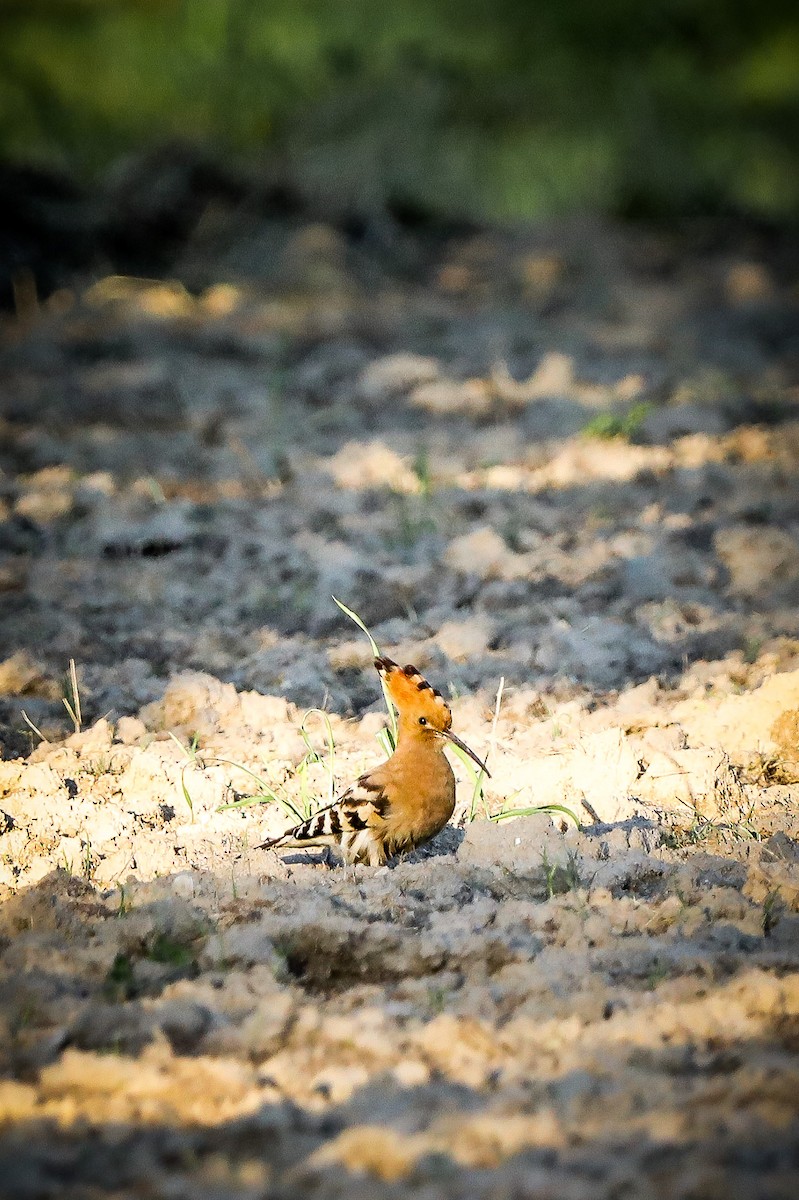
{"points": [[462, 746]]}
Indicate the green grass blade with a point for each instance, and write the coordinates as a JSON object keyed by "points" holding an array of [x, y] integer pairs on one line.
{"points": [[392, 715], [476, 777], [189, 755], [329, 762], [386, 742], [531, 811], [479, 776], [228, 762], [305, 799], [186, 792], [353, 616], [263, 798], [266, 796]]}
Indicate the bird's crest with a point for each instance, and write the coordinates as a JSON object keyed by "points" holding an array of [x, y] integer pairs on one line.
{"points": [[412, 694]]}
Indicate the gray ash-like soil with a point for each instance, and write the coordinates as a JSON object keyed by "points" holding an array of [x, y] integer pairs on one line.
{"points": [[566, 458]]}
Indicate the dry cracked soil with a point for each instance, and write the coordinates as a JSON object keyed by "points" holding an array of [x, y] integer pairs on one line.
{"points": [[564, 458]]}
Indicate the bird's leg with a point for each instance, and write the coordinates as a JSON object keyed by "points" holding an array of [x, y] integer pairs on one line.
{"points": [[377, 855]]}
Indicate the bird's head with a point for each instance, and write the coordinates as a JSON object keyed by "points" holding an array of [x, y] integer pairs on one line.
{"points": [[423, 711]]}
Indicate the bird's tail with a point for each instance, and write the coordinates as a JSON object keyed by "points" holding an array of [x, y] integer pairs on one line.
{"points": [[270, 843], [321, 829]]}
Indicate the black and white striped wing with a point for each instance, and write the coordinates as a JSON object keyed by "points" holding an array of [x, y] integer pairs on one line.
{"points": [[356, 823]]}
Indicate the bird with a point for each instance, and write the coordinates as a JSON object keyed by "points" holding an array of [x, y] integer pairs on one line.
{"points": [[405, 801]]}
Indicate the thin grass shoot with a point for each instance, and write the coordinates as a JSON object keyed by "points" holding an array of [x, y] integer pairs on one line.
{"points": [[72, 702], [533, 809], [35, 728], [478, 776], [392, 731]]}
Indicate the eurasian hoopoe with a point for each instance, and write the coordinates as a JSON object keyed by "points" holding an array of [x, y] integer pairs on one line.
{"points": [[402, 803]]}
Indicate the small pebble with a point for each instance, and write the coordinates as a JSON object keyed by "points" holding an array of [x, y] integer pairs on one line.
{"points": [[183, 885]]}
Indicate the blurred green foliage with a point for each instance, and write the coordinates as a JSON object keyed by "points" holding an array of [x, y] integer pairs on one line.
{"points": [[491, 107]]}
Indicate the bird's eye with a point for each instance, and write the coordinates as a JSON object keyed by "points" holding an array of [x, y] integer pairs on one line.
{"points": [[423, 720]]}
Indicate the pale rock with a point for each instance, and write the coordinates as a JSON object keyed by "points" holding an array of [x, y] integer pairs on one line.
{"points": [[372, 1150], [371, 723], [95, 488], [45, 505], [639, 701], [350, 656], [576, 462], [761, 560], [37, 779], [38, 868], [262, 1031], [17, 1101], [466, 639], [130, 290], [183, 885], [445, 397], [221, 299], [195, 703], [749, 283], [11, 772], [484, 553], [671, 621], [553, 377], [21, 674], [395, 374], [97, 737], [338, 1083], [363, 465], [260, 712], [335, 560], [130, 730], [411, 1073], [103, 824], [505, 477], [8, 878], [192, 703]]}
